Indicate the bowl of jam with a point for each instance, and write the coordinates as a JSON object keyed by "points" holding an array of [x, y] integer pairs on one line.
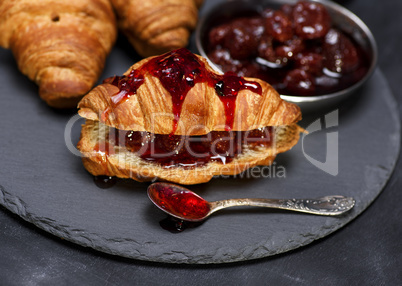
{"points": [[314, 53]]}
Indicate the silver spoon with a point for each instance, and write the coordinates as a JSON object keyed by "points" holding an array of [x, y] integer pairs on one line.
{"points": [[184, 204]]}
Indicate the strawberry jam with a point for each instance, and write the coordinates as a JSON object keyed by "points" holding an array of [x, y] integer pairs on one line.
{"points": [[179, 202], [178, 71], [227, 88], [127, 85], [190, 151]]}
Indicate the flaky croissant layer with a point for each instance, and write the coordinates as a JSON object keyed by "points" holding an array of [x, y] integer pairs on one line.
{"points": [[61, 45], [179, 93], [154, 27]]}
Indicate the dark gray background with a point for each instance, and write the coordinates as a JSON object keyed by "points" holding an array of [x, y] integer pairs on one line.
{"points": [[365, 251]]}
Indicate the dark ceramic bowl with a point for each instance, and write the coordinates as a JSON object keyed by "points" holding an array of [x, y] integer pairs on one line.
{"points": [[342, 18]]}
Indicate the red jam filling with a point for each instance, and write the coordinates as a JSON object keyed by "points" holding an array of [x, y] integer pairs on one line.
{"points": [[185, 204], [190, 151], [178, 71], [295, 48]]}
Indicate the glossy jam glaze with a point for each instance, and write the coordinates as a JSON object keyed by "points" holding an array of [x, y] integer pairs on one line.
{"points": [[127, 85], [179, 201], [178, 71], [295, 49]]}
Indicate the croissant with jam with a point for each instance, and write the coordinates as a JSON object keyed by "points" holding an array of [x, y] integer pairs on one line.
{"points": [[61, 45], [173, 118], [154, 27]]}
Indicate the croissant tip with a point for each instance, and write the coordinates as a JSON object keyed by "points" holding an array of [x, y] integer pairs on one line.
{"points": [[61, 92], [61, 100]]}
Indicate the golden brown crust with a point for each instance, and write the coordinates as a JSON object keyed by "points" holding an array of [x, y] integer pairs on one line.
{"points": [[125, 164], [62, 45], [198, 3], [156, 26], [150, 109]]}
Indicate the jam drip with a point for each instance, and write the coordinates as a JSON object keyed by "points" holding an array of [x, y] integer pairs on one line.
{"points": [[190, 151], [128, 85], [175, 225], [227, 88], [104, 149], [178, 72]]}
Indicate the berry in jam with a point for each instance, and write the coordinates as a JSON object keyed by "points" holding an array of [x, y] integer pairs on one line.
{"points": [[311, 20], [340, 54], [279, 26]]}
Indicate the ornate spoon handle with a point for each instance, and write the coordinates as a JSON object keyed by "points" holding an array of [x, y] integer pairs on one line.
{"points": [[329, 205]]}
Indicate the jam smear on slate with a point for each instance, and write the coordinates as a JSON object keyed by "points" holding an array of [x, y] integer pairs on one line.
{"points": [[178, 71], [105, 182], [176, 225]]}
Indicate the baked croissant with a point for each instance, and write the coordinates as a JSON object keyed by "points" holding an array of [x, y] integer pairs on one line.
{"points": [[172, 117], [154, 27], [61, 45]]}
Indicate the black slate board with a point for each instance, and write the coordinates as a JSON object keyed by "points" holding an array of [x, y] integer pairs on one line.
{"points": [[44, 183]]}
